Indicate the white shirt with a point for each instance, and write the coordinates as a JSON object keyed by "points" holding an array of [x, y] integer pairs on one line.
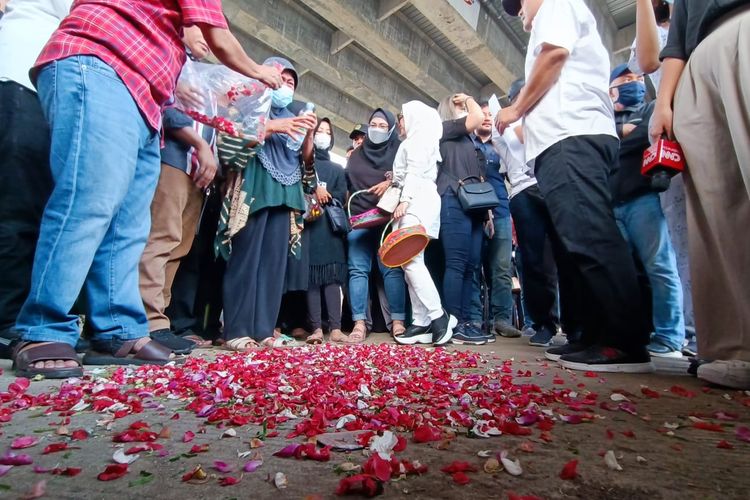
{"points": [[513, 156], [633, 66], [578, 103], [24, 30]]}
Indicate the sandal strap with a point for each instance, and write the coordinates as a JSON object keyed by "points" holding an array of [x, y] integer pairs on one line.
{"points": [[151, 351], [44, 352], [240, 343]]}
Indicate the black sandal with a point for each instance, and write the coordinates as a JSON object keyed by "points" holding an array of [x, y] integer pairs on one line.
{"points": [[39, 351]]}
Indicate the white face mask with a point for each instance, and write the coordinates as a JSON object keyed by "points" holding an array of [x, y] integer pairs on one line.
{"points": [[378, 136], [322, 141]]}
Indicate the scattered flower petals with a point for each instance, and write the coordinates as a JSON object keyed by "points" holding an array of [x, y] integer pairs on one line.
{"points": [[461, 478], [360, 484], [11, 458], [280, 481], [426, 433], [617, 397], [4, 469], [56, 447], [199, 448], [287, 451], [708, 426], [611, 460], [68, 471], [649, 393], [79, 435], [113, 471], [640, 459], [384, 445], [743, 434], [188, 436], [121, 457], [252, 465], [491, 466], [484, 453], [38, 490], [569, 470], [229, 433], [512, 467], [458, 466], [725, 445], [24, 442], [222, 467], [228, 481], [681, 391], [197, 474]]}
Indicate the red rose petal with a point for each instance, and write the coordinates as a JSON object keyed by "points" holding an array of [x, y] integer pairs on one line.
{"points": [[725, 445], [461, 478], [569, 471], [113, 471]]}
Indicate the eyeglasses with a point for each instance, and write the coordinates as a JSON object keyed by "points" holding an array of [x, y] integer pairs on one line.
{"points": [[381, 126]]}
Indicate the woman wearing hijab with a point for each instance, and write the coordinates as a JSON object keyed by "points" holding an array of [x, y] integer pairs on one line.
{"points": [[415, 169], [369, 169], [261, 221], [462, 231], [328, 267]]}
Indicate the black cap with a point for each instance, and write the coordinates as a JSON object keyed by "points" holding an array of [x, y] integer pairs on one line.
{"points": [[360, 129], [512, 7], [515, 89]]}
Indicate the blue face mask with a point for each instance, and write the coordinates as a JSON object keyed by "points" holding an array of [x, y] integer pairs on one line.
{"points": [[282, 97], [631, 93]]}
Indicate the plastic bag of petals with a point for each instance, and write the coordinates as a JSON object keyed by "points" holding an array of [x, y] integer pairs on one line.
{"points": [[232, 103]]}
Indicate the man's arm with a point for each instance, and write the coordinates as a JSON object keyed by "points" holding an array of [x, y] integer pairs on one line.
{"points": [[228, 50], [646, 37], [544, 74], [206, 160]]}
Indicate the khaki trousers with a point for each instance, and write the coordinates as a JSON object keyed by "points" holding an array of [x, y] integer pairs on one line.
{"points": [[712, 123], [175, 211]]}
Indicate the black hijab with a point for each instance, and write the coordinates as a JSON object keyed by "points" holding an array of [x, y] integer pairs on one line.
{"points": [[382, 155]]}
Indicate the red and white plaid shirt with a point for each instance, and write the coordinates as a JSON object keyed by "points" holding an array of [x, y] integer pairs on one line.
{"points": [[139, 39]]}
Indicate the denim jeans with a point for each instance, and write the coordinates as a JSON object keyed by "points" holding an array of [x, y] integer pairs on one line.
{"points": [[461, 236], [497, 263], [105, 166], [363, 247], [643, 225]]}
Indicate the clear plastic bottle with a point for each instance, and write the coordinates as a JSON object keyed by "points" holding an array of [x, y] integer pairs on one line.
{"points": [[294, 142]]}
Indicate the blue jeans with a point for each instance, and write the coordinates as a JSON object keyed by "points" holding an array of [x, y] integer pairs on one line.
{"points": [[461, 237], [105, 166], [497, 263], [643, 225], [363, 247]]}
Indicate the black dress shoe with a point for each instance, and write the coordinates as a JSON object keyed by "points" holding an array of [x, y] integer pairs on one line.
{"points": [[416, 334], [608, 359], [442, 329]]}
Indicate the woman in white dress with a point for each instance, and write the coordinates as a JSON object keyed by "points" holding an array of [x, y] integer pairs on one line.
{"points": [[415, 168]]}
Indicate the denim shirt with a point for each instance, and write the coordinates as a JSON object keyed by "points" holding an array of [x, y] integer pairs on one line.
{"points": [[494, 177]]}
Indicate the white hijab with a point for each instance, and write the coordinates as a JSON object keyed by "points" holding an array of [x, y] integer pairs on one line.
{"points": [[423, 130]]}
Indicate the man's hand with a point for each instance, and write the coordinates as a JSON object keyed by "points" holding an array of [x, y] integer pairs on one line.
{"points": [[661, 122], [489, 227], [400, 210], [206, 171], [269, 75], [189, 96], [380, 188], [627, 129], [323, 195], [506, 117], [460, 99]]}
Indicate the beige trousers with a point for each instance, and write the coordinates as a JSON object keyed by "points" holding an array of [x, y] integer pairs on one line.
{"points": [[712, 123], [175, 211]]}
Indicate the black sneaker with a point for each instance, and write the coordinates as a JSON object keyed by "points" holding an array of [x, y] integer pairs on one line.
{"points": [[542, 338], [608, 359], [176, 344], [415, 334], [554, 353], [468, 334], [442, 328], [506, 330]]}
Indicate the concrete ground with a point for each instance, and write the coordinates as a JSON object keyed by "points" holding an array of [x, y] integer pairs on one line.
{"points": [[664, 448]]}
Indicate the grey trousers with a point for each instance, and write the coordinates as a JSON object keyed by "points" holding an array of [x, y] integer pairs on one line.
{"points": [[711, 119]]}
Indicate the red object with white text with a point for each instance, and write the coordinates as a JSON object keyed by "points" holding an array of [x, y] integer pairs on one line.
{"points": [[662, 161]]}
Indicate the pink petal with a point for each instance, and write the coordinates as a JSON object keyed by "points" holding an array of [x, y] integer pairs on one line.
{"points": [[11, 458], [287, 451], [743, 434], [222, 467], [4, 469], [38, 490], [252, 465], [188, 436], [24, 442]]}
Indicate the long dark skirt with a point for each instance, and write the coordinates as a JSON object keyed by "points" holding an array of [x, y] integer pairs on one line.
{"points": [[256, 275]]}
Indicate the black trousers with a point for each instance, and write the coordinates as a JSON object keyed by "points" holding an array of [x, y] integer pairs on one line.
{"points": [[600, 274], [534, 231], [25, 186], [332, 295]]}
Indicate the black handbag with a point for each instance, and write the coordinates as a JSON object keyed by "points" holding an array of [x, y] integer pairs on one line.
{"points": [[338, 218], [478, 196]]}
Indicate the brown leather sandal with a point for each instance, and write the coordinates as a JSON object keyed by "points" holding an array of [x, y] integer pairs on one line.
{"points": [[54, 351], [152, 353]]}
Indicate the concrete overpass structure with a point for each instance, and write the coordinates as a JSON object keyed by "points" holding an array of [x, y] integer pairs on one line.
{"points": [[356, 55]]}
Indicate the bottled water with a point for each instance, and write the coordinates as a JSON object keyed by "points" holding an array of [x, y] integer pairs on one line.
{"points": [[294, 142]]}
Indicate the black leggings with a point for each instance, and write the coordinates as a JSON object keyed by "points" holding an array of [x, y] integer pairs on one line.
{"points": [[332, 294]]}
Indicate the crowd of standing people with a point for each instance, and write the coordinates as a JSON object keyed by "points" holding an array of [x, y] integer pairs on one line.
{"points": [[163, 235]]}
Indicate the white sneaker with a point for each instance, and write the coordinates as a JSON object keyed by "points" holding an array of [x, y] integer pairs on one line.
{"points": [[734, 374]]}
